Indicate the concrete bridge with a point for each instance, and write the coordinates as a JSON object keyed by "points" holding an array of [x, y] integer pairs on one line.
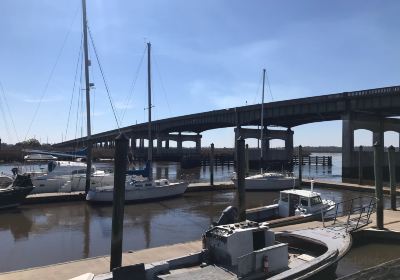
{"points": [[369, 109]]}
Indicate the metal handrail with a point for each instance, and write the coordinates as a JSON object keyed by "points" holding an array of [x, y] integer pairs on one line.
{"points": [[360, 220]]}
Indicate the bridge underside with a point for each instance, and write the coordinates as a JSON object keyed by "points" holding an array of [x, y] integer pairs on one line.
{"points": [[368, 109]]}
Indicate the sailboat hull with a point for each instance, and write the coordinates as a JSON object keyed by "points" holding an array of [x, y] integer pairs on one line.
{"points": [[259, 183], [138, 194]]}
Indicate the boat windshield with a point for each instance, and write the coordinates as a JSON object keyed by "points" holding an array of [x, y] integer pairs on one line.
{"points": [[304, 201], [315, 200], [284, 197]]}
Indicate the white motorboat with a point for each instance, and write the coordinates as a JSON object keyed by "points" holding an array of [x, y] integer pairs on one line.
{"points": [[300, 203], [141, 190], [67, 176], [249, 250], [268, 181]]}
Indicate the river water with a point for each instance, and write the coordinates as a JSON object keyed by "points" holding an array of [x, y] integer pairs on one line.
{"points": [[36, 235]]}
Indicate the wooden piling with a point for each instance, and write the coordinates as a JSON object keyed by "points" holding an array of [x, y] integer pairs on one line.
{"points": [[300, 164], [241, 166], [247, 160], [120, 164], [392, 174], [212, 165], [378, 184], [360, 167]]}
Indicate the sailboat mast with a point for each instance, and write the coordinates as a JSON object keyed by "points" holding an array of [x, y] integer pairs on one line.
{"points": [[262, 124], [150, 148], [87, 87]]}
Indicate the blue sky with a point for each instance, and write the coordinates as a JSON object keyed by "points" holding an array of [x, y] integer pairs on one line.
{"points": [[206, 55]]}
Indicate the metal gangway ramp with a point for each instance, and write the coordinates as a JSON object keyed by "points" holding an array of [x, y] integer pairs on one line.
{"points": [[351, 214]]}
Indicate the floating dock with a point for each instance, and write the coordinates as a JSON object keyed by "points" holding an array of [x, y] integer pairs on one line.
{"points": [[101, 264]]}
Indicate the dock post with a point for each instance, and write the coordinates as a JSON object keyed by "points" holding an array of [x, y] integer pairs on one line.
{"points": [[360, 167], [212, 165], [247, 160], [241, 165], [392, 173], [300, 164], [378, 184], [121, 151]]}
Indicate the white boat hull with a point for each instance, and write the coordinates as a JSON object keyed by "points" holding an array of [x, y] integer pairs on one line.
{"points": [[268, 184], [68, 183], [138, 193]]}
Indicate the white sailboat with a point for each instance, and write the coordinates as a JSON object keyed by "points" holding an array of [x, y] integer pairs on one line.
{"points": [[139, 188], [267, 180]]}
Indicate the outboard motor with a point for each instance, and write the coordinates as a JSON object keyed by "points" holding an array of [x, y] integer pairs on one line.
{"points": [[23, 181], [14, 171], [228, 216]]}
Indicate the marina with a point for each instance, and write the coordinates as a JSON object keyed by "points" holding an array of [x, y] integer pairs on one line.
{"points": [[204, 173]]}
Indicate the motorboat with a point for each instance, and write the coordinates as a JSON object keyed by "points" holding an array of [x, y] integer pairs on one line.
{"points": [[15, 193], [249, 250], [305, 205], [66, 176], [139, 189], [268, 181]]}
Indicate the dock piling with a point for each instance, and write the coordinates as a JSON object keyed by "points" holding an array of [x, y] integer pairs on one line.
{"points": [[360, 168], [212, 165], [300, 164], [378, 184], [241, 165], [392, 174], [121, 151]]}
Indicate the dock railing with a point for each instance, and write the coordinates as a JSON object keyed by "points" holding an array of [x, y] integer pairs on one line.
{"points": [[351, 214]]}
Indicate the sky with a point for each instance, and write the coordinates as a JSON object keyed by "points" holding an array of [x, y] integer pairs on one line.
{"points": [[206, 55]]}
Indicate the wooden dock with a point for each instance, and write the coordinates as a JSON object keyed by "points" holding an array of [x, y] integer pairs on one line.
{"points": [[101, 264]]}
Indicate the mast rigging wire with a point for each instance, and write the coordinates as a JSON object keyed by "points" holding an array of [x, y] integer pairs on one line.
{"points": [[269, 86], [133, 85], [8, 110], [74, 86], [104, 80], [162, 83], [51, 75]]}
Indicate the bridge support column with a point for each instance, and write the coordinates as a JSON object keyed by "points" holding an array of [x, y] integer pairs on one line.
{"points": [[347, 147], [179, 143], [141, 143], [167, 144], [159, 145], [198, 143], [133, 143], [289, 144]]}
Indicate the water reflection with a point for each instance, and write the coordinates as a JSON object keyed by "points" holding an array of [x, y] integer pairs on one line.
{"points": [[70, 231]]}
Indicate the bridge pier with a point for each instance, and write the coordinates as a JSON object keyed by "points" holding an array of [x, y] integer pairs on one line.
{"points": [[272, 157], [351, 168]]}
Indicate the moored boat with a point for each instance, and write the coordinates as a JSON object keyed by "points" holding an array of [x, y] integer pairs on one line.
{"points": [[306, 204], [15, 193], [137, 191], [249, 250], [268, 181]]}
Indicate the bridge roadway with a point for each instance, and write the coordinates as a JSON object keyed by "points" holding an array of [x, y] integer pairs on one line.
{"points": [[384, 102]]}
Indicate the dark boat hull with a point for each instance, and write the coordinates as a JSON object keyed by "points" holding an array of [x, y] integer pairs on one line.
{"points": [[12, 197]]}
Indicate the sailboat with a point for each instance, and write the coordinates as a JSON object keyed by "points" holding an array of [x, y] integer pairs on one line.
{"points": [[139, 188], [267, 180], [67, 176]]}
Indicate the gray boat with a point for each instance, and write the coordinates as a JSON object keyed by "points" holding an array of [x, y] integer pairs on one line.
{"points": [[249, 250]]}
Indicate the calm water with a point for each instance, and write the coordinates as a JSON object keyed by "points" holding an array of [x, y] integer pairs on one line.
{"points": [[70, 231]]}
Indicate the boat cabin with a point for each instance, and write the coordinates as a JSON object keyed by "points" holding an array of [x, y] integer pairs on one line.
{"points": [[247, 248], [297, 202]]}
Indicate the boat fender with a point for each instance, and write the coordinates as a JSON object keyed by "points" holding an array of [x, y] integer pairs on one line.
{"points": [[265, 264]]}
